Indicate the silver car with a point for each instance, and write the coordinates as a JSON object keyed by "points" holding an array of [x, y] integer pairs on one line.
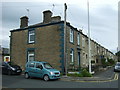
{"points": [[117, 67]]}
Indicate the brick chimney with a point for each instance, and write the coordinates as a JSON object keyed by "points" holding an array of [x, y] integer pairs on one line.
{"points": [[56, 19], [23, 22], [47, 16]]}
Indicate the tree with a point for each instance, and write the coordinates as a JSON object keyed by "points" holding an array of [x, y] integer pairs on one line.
{"points": [[118, 54]]}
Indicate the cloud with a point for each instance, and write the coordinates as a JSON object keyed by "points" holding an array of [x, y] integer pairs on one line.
{"points": [[103, 17]]}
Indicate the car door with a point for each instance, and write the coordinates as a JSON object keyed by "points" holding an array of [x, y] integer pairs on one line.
{"points": [[5, 68], [31, 69], [38, 70]]}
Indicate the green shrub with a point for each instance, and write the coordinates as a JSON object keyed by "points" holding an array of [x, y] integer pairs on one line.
{"points": [[111, 62], [83, 73], [75, 75]]}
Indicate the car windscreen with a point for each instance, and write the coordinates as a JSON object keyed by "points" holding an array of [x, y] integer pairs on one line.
{"points": [[48, 66], [11, 64], [118, 64]]}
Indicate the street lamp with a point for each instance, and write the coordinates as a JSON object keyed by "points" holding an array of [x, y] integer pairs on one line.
{"points": [[89, 46]]}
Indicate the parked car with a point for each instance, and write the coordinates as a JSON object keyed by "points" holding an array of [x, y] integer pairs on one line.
{"points": [[117, 67], [9, 68], [41, 70]]}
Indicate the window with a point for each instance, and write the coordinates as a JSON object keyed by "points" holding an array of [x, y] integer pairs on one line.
{"points": [[83, 42], [39, 66], [97, 61], [48, 66], [31, 55], [78, 39], [71, 56], [31, 64], [31, 36], [71, 35]]}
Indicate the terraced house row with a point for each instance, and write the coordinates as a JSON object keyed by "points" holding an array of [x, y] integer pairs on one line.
{"points": [[45, 42]]}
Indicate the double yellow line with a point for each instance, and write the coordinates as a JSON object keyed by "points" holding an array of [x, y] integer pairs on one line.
{"points": [[116, 76]]}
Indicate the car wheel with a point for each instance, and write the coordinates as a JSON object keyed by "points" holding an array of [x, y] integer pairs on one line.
{"points": [[27, 75], [46, 77]]}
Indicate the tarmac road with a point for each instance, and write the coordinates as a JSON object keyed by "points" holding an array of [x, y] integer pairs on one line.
{"points": [[21, 82]]}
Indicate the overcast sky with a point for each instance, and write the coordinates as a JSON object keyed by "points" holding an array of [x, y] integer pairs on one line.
{"points": [[103, 17]]}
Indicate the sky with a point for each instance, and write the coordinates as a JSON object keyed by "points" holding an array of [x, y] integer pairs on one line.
{"points": [[103, 17]]}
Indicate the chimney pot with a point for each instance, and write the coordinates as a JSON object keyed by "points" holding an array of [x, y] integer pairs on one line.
{"points": [[56, 19], [47, 16], [24, 22]]}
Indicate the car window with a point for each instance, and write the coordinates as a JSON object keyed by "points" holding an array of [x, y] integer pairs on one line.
{"points": [[11, 64], [31, 64], [4, 64], [38, 65], [48, 66], [118, 64]]}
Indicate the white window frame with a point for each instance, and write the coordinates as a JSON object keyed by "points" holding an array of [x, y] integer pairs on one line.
{"points": [[78, 38], [83, 41], [30, 34], [72, 55], [71, 35], [31, 54]]}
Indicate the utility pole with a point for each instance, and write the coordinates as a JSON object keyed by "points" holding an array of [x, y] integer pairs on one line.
{"points": [[28, 14], [89, 45], [65, 55]]}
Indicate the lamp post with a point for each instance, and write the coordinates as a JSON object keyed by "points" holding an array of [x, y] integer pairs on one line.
{"points": [[89, 45], [65, 54]]}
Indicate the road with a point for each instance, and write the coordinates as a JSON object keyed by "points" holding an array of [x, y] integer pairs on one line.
{"points": [[20, 82]]}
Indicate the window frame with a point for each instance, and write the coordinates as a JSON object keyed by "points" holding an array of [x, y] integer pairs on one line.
{"points": [[72, 55], [71, 35], [30, 54], [31, 34], [78, 38]]}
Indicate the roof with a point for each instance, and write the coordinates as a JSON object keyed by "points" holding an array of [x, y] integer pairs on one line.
{"points": [[37, 25]]}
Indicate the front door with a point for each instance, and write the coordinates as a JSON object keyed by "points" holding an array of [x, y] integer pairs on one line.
{"points": [[79, 59]]}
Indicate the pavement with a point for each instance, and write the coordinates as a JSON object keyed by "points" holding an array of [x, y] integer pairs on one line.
{"points": [[104, 76]]}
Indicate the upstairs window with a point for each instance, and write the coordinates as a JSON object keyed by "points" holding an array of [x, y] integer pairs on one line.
{"points": [[71, 35], [31, 36], [78, 39], [83, 42]]}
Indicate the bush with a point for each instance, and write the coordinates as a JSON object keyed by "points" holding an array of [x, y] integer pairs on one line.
{"points": [[75, 75], [83, 73], [111, 62]]}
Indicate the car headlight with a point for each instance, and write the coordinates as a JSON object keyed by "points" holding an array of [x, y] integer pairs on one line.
{"points": [[116, 67], [52, 73], [13, 68]]}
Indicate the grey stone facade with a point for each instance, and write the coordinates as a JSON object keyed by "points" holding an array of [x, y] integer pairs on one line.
{"points": [[48, 44]]}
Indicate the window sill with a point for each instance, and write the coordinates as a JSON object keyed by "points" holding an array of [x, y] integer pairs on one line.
{"points": [[31, 43], [72, 43]]}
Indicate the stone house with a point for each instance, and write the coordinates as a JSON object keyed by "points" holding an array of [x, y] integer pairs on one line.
{"points": [[45, 42]]}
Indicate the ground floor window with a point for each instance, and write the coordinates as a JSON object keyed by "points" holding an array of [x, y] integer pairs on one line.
{"points": [[31, 55], [72, 55]]}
